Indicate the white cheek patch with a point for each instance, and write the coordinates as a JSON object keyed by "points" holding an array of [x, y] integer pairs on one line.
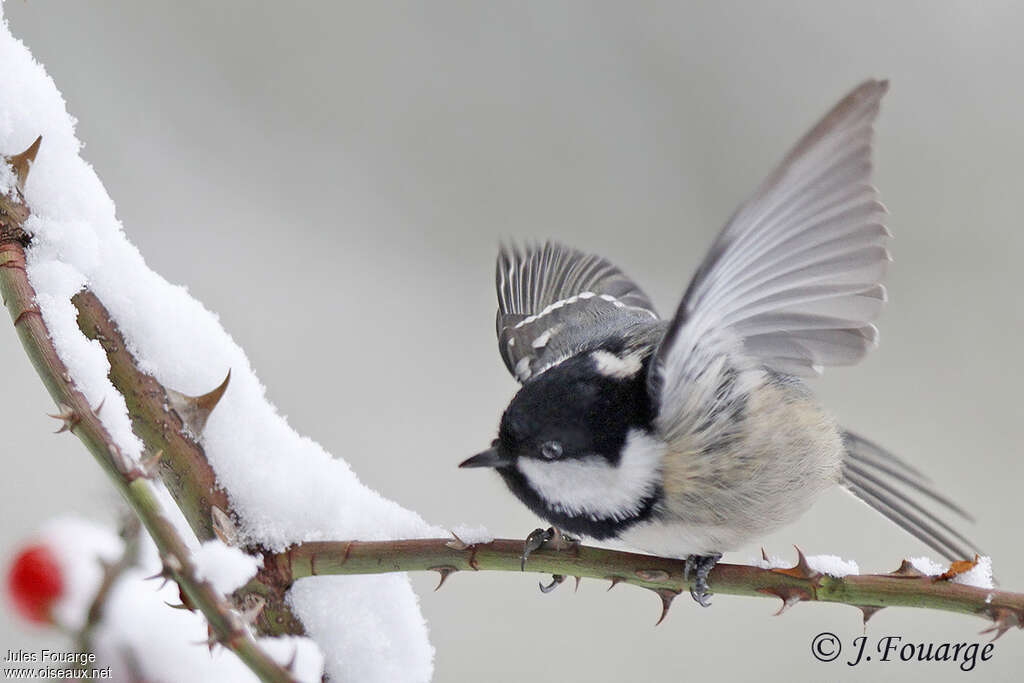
{"points": [[620, 367], [592, 486]]}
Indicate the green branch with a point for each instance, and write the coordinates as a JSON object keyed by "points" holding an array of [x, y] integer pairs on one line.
{"points": [[905, 587]]}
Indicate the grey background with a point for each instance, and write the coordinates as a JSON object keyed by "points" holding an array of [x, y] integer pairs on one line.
{"points": [[333, 180]]}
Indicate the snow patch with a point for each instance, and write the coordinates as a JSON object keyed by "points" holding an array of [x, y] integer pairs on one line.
{"points": [[927, 566], [833, 565], [226, 568], [356, 621], [980, 576], [472, 534], [773, 562], [138, 632], [79, 546]]}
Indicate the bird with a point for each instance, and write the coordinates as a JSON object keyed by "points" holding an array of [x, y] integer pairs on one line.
{"points": [[690, 436]]}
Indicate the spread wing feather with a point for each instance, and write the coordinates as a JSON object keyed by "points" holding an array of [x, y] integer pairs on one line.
{"points": [[555, 302], [794, 277]]}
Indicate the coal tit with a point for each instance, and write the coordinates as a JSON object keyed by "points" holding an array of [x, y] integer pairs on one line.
{"points": [[692, 436]]}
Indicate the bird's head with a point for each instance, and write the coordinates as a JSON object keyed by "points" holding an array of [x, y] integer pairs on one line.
{"points": [[576, 442]]}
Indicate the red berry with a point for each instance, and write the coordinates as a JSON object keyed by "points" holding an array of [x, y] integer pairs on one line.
{"points": [[34, 583]]}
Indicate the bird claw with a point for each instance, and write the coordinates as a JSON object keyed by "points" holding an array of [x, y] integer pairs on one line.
{"points": [[701, 599], [703, 564], [537, 539], [561, 538], [556, 579]]}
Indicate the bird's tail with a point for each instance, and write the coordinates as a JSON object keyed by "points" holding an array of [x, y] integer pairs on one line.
{"points": [[890, 485]]}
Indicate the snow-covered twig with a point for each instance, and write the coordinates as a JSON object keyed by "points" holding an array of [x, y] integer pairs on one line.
{"points": [[168, 423], [810, 579], [82, 420], [181, 463]]}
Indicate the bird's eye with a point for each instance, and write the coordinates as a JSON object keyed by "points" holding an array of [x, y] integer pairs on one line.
{"points": [[552, 450]]}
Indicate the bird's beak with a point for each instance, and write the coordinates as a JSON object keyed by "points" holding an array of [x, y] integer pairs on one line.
{"points": [[492, 457]]}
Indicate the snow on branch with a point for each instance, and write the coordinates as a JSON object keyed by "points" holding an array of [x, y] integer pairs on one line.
{"points": [[170, 408], [127, 356]]}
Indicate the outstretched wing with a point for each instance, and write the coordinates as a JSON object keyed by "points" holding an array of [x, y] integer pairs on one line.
{"points": [[794, 278], [555, 302]]}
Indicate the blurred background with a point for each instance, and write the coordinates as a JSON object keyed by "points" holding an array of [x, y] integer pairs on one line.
{"points": [[333, 180]]}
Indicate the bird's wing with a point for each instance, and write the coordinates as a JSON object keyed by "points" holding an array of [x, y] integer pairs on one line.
{"points": [[555, 302], [794, 278]]}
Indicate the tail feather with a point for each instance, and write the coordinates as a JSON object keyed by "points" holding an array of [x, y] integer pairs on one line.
{"points": [[887, 483]]}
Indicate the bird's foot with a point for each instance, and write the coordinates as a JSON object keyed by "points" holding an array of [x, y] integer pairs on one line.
{"points": [[562, 539], [537, 539], [703, 564]]}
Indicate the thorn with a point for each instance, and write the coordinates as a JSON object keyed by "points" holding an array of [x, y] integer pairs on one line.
{"points": [[801, 570], [1003, 619], [253, 609], [124, 464], [787, 602], [458, 543], [907, 570], [616, 580], [790, 595], [68, 417], [98, 408], [652, 575], [209, 401], [22, 163], [445, 571], [178, 606], [164, 574], [194, 411], [868, 611], [150, 463], [667, 595], [211, 640], [556, 580], [223, 526], [998, 627], [802, 565], [185, 600], [576, 588]]}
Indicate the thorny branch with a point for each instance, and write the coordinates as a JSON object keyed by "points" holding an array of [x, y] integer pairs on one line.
{"points": [[82, 419], [904, 587]]}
